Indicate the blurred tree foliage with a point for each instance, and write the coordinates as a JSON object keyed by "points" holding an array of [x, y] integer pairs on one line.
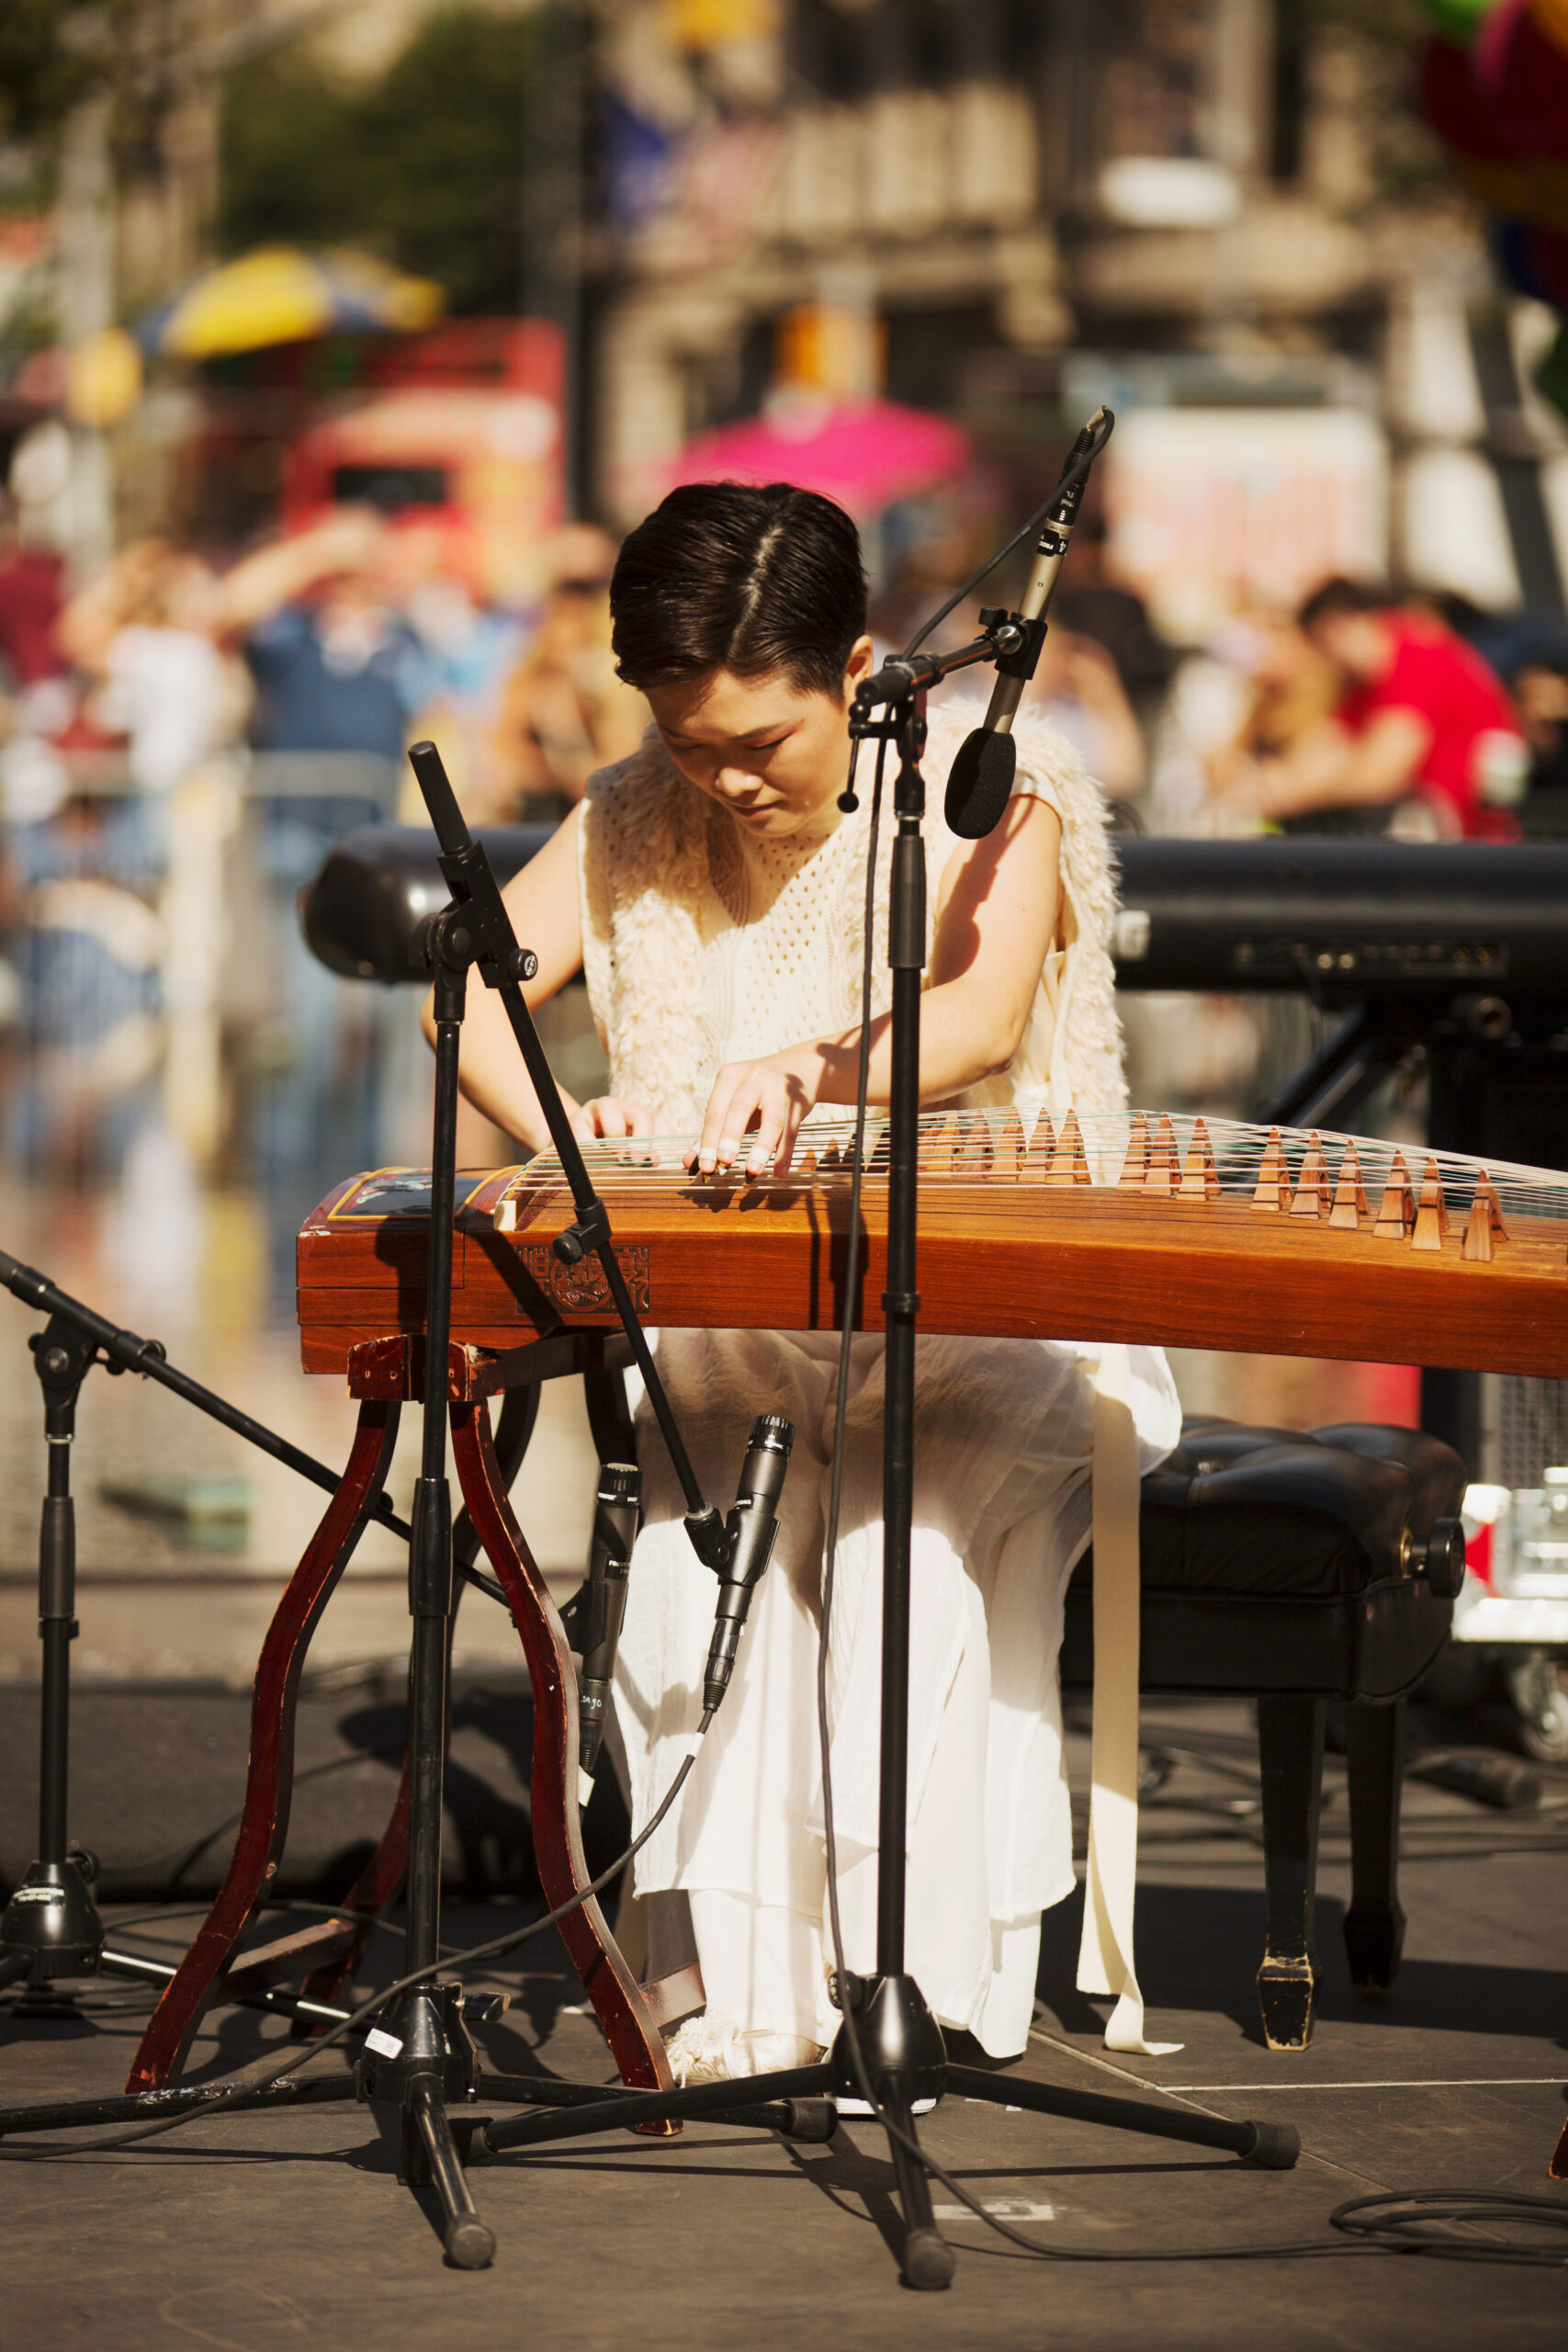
{"points": [[50, 52], [423, 166]]}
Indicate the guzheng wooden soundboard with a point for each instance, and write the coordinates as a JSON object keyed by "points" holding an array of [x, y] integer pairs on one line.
{"points": [[1146, 1226]]}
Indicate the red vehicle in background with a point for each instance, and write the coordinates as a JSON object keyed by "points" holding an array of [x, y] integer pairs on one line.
{"points": [[460, 427]]}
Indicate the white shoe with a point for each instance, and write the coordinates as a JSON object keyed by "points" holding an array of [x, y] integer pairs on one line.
{"points": [[714, 2049]]}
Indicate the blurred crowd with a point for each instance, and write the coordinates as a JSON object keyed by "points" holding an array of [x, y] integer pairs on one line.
{"points": [[182, 742], [346, 639], [1362, 711], [165, 716]]}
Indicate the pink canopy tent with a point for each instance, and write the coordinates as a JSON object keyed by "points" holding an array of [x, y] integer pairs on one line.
{"points": [[864, 454]]}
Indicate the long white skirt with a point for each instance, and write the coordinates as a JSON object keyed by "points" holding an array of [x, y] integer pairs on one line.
{"points": [[1001, 1512]]}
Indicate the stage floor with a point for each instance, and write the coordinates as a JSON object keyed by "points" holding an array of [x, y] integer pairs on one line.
{"points": [[255, 2235]]}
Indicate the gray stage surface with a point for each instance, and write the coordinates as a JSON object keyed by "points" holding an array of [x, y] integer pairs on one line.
{"points": [[256, 2234]]}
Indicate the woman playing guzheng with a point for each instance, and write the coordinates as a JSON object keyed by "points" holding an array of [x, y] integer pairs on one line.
{"points": [[713, 893]]}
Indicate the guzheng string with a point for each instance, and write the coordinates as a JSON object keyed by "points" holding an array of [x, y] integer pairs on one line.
{"points": [[1172, 1155]]}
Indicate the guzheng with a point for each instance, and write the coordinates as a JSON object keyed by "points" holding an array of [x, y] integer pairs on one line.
{"points": [[1146, 1227]]}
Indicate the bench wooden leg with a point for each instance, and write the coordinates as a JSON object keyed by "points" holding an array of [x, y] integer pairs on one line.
{"points": [[1289, 1748], [1374, 1925]]}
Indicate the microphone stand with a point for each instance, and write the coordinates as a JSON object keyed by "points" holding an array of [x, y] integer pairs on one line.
{"points": [[419, 2058], [422, 2057], [889, 2059], [50, 1930]]}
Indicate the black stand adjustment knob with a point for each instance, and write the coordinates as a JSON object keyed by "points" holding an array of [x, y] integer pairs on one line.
{"points": [[1440, 1559]]}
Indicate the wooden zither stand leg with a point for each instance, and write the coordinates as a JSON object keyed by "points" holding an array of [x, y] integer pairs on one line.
{"points": [[383, 1873], [383, 1374], [264, 1823]]}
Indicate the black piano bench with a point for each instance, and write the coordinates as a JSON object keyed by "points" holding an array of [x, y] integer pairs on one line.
{"points": [[1300, 1566]]}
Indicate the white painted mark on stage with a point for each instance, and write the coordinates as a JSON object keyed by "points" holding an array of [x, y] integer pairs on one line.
{"points": [[1404, 2082], [1001, 2209]]}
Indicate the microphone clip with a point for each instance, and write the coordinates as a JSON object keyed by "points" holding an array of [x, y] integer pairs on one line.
{"points": [[1022, 662]]}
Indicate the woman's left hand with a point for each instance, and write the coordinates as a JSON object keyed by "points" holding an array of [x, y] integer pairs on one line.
{"points": [[755, 1110]]}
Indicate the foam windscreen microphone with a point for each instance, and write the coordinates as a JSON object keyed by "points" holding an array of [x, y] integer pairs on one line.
{"points": [[979, 783], [981, 777]]}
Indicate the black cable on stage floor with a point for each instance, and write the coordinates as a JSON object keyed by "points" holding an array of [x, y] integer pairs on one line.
{"points": [[1404, 2220], [268, 1902], [259, 2076]]}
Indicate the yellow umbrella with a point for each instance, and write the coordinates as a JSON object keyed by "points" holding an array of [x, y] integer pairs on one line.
{"points": [[282, 294]]}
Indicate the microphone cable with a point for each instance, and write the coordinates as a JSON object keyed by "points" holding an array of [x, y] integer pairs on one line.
{"points": [[1070, 477]]}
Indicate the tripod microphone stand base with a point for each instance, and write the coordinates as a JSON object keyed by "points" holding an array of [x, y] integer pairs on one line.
{"points": [[916, 2081], [50, 1930], [904, 2061], [417, 2059]]}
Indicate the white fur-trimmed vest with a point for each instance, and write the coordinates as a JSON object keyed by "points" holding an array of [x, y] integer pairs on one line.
{"points": [[655, 858]]}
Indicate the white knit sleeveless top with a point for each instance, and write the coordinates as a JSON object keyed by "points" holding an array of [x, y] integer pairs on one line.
{"points": [[704, 944]]}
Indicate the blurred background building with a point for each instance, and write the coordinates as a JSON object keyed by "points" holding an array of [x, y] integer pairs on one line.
{"points": [[340, 339], [1210, 208]]}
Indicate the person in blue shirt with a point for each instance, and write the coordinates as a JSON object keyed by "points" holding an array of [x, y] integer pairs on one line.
{"points": [[336, 666]]}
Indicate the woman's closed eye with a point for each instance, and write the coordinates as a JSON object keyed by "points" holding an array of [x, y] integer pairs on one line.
{"points": [[689, 750]]}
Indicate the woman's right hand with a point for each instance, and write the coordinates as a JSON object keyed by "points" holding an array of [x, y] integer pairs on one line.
{"points": [[606, 1116]]}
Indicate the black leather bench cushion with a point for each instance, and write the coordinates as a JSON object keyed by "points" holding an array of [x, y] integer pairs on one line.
{"points": [[1272, 1560], [1310, 1514]]}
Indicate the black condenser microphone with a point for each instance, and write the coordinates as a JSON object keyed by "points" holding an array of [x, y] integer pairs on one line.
{"points": [[749, 1534], [593, 1621], [981, 777]]}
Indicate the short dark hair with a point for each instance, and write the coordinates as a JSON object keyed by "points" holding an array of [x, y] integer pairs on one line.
{"points": [[1336, 596], [726, 576]]}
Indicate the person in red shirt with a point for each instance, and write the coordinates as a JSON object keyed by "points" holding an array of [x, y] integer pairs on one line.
{"points": [[31, 594], [1419, 717]]}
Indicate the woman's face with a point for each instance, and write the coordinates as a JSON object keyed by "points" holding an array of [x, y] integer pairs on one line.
{"points": [[775, 757]]}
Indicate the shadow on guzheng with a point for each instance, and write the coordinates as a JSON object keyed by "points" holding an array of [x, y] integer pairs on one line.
{"points": [[1342, 1547]]}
